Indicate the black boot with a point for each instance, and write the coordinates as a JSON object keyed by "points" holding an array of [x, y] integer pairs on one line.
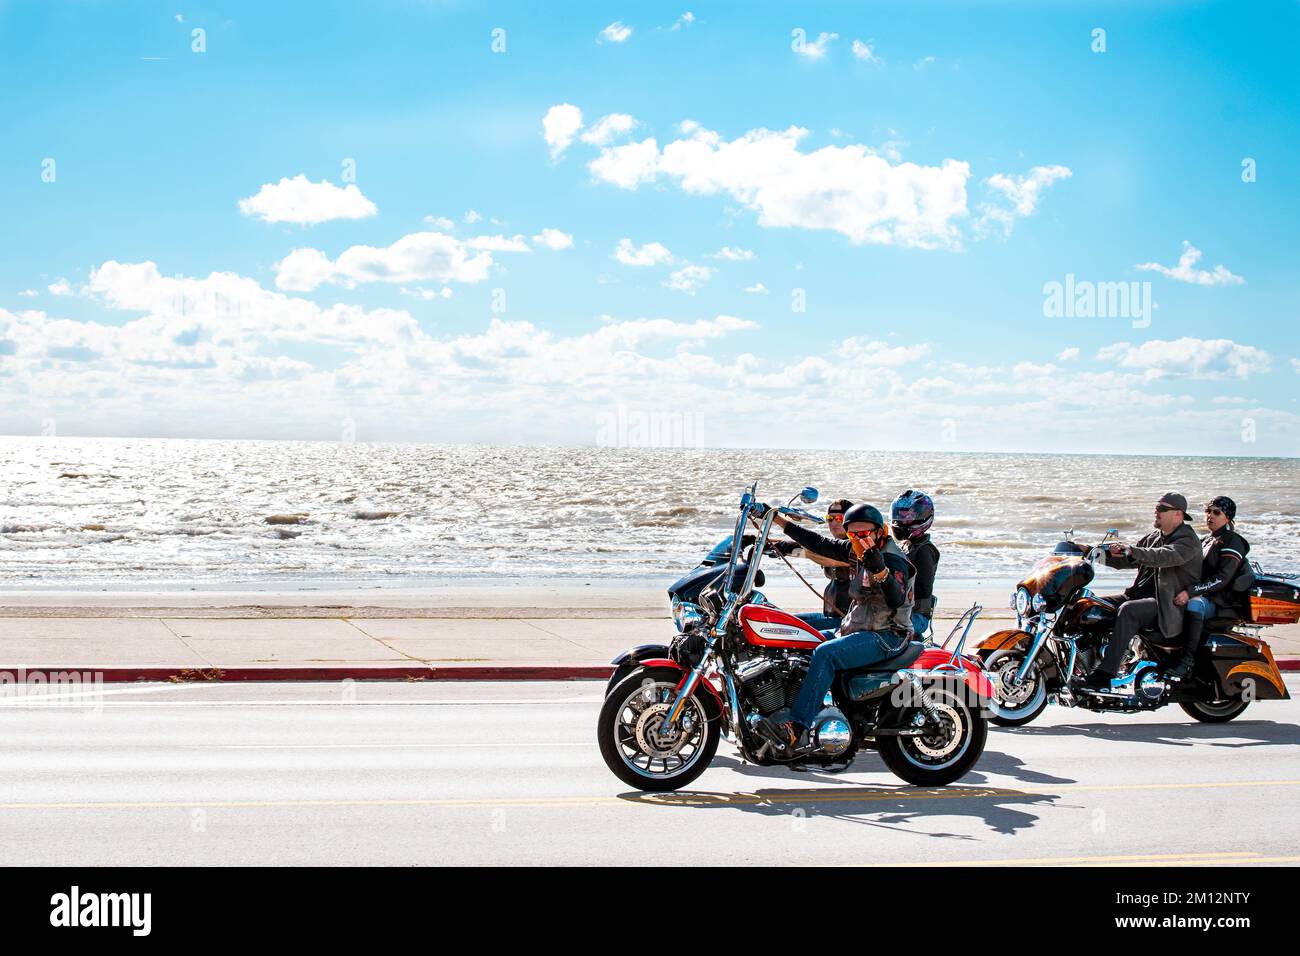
{"points": [[1192, 632]]}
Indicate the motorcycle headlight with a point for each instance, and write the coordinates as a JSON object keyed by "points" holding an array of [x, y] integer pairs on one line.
{"points": [[686, 615], [1022, 601], [1039, 602]]}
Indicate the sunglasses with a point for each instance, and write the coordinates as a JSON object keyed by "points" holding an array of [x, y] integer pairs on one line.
{"points": [[1161, 509], [860, 534], [835, 516]]}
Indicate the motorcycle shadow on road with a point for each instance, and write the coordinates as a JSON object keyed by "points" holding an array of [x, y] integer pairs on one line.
{"points": [[1238, 734], [1003, 810]]}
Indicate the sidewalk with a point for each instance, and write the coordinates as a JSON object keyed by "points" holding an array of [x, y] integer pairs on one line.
{"points": [[173, 644]]}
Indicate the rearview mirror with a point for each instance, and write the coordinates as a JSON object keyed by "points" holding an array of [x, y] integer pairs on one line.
{"points": [[808, 495]]}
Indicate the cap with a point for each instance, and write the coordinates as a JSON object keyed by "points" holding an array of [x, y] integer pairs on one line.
{"points": [[1174, 500]]}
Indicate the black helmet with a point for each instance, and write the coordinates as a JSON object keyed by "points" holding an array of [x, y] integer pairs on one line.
{"points": [[913, 513], [864, 512]]}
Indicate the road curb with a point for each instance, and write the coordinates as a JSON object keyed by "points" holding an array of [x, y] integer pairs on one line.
{"points": [[196, 675]]}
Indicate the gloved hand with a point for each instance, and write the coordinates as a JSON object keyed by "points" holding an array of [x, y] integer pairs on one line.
{"points": [[873, 561]]}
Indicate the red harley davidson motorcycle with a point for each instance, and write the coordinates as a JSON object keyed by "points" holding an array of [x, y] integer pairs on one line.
{"points": [[737, 659]]}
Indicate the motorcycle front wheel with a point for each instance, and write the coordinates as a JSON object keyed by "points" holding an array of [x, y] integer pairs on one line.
{"points": [[1014, 704], [949, 747], [629, 738]]}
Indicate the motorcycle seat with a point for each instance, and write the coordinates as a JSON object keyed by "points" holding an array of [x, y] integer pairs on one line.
{"points": [[864, 681]]}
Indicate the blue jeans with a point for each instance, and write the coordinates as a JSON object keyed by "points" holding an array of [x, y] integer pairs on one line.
{"points": [[1202, 607], [920, 624], [847, 652]]}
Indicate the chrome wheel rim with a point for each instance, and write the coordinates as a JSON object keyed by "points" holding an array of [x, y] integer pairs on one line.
{"points": [[638, 732], [945, 740], [1012, 693]]}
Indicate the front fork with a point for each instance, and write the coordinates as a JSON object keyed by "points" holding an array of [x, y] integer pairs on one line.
{"points": [[1040, 638], [687, 687]]}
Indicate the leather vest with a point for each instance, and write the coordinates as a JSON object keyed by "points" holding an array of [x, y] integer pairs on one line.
{"points": [[868, 610]]}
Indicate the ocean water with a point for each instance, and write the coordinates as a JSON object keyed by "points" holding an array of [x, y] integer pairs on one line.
{"points": [[96, 513]]}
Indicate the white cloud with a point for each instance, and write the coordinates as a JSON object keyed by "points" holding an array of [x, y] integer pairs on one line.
{"points": [[1295, 364], [1186, 270], [29, 293], [650, 254], [628, 165], [441, 223], [922, 63], [472, 216], [816, 49], [301, 201], [732, 254], [1194, 358], [498, 243], [303, 270], [616, 32], [1069, 355], [609, 127], [1021, 192], [847, 189], [427, 294], [757, 289], [686, 19], [865, 52], [417, 257], [1024, 191], [689, 278], [553, 239], [560, 124], [61, 287]]}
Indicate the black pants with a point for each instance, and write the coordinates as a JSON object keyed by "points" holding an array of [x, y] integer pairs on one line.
{"points": [[1133, 616]]}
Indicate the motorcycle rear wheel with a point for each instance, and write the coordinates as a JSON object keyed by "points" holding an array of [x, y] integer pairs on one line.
{"points": [[631, 713], [1219, 713], [948, 754]]}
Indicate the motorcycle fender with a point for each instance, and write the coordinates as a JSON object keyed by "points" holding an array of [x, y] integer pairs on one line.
{"points": [[711, 700], [628, 660], [977, 681], [1001, 640]]}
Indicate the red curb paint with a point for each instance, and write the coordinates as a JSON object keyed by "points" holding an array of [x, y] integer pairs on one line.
{"points": [[502, 672], [189, 675]]}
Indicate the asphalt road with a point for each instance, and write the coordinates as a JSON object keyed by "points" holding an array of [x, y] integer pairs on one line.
{"points": [[509, 773]]}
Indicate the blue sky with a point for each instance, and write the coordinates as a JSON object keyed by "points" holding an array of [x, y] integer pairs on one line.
{"points": [[953, 159]]}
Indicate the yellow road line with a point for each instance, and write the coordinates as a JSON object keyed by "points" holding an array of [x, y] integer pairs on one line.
{"points": [[900, 794]]}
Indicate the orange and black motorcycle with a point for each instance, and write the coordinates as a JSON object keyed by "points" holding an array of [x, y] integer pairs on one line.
{"points": [[1063, 629]]}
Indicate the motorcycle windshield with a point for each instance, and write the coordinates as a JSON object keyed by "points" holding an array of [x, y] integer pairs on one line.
{"points": [[720, 552]]}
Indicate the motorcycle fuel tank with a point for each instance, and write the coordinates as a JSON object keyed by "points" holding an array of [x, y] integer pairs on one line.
{"points": [[767, 626]]}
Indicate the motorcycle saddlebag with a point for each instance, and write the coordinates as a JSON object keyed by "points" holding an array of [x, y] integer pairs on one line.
{"points": [[1274, 600], [1239, 660]]}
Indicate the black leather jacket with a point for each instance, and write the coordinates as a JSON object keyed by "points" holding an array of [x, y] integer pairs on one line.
{"points": [[1224, 561]]}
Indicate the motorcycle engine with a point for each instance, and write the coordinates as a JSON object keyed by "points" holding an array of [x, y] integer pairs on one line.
{"points": [[770, 684]]}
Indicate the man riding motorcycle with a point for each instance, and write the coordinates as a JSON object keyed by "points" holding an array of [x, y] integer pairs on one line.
{"points": [[878, 623], [1168, 560]]}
